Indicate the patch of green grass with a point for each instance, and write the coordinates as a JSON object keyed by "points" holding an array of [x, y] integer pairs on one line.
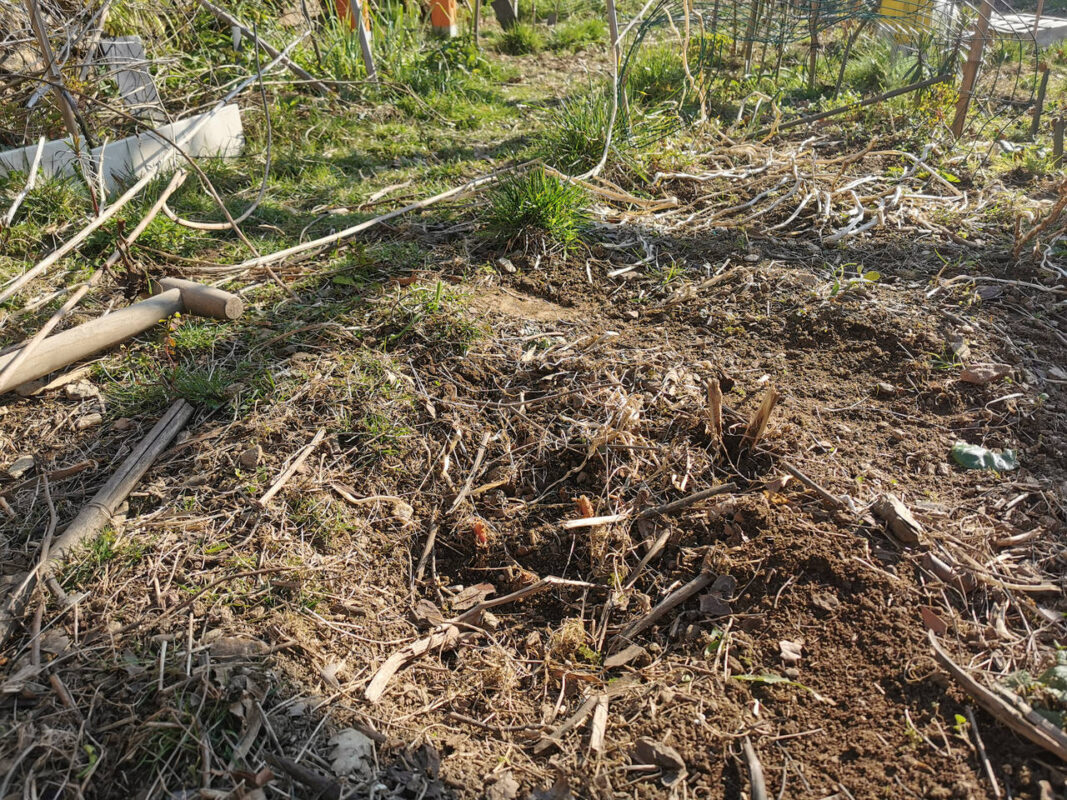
{"points": [[573, 136], [537, 204], [578, 34], [656, 74], [434, 316], [106, 549], [520, 39]]}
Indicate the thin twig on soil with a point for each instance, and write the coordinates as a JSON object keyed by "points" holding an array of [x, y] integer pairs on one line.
{"points": [[757, 783], [1044, 736], [980, 747], [288, 472]]}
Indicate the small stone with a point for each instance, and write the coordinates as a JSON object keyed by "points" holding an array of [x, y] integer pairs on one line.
{"points": [[80, 390], [20, 467], [506, 265], [122, 424], [886, 389], [633, 314], [249, 459], [88, 421]]}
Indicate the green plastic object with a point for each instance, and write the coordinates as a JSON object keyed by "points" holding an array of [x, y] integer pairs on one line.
{"points": [[973, 456]]}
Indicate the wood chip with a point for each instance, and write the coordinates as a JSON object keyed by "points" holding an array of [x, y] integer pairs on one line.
{"points": [[899, 519]]}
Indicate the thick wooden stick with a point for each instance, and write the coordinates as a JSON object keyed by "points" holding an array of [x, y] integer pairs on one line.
{"points": [[1057, 745], [970, 69], [24, 353], [97, 513], [77, 343]]}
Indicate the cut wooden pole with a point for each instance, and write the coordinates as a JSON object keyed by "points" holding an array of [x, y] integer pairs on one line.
{"points": [[363, 31], [107, 331], [1057, 142], [31, 346], [477, 22], [273, 52], [97, 513], [1039, 104], [970, 69]]}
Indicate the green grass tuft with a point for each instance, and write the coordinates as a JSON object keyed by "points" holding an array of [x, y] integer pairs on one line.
{"points": [[573, 137], [537, 204], [576, 35], [656, 75], [520, 39]]}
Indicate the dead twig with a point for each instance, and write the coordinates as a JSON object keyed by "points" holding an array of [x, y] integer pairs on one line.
{"points": [[288, 472], [836, 502], [757, 783], [1045, 736], [665, 605], [980, 747]]}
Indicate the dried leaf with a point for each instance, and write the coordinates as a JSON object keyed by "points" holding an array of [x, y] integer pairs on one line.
{"points": [[713, 605], [899, 519], [352, 754], [663, 756], [505, 787], [472, 596], [932, 621], [790, 651], [426, 611]]}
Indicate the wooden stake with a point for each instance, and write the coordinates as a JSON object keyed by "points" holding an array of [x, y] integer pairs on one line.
{"points": [[1037, 16], [970, 69], [365, 41], [1039, 105], [477, 22], [1057, 143]]}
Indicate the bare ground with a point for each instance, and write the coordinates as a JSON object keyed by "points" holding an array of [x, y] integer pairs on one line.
{"points": [[207, 639]]}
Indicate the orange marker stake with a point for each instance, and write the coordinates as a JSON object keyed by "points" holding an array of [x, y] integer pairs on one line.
{"points": [[443, 17]]}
